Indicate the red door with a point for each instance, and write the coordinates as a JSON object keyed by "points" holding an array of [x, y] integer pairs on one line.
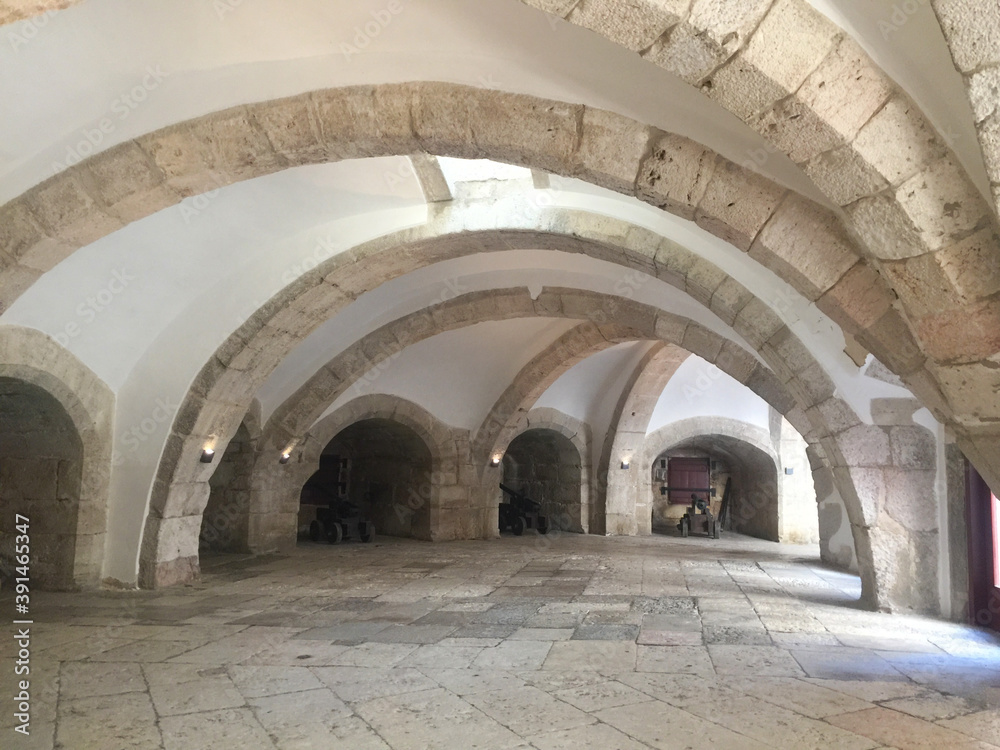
{"points": [[686, 477], [983, 514]]}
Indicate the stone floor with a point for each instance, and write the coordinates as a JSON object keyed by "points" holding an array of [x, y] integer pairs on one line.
{"points": [[547, 643]]}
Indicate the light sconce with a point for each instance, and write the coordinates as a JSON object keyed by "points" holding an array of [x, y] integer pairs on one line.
{"points": [[625, 463], [285, 458], [789, 470], [495, 461], [207, 455]]}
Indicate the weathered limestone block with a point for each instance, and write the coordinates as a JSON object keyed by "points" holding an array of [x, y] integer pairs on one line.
{"points": [[885, 228], [972, 31], [765, 384], [703, 342], [942, 203], [687, 53], [728, 23], [794, 129], [922, 285], [963, 335], [846, 89], [611, 150], [913, 449], [757, 323], [843, 175], [14, 280], [898, 141], [805, 246], [790, 43], [292, 129], [858, 300], [895, 412], [672, 263], [703, 278], [66, 211], [523, 130], [864, 446], [736, 204], [728, 299], [127, 182], [972, 265], [645, 21], [891, 335], [675, 174], [184, 498], [972, 390], [735, 361], [179, 153], [743, 89], [789, 351], [866, 489]]}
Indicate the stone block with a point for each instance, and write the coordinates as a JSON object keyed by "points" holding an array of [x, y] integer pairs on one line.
{"points": [[864, 446], [922, 285], [894, 412], [728, 23], [790, 42], [728, 299], [913, 448], [644, 23], [806, 246], [687, 53], [859, 299], [757, 323], [703, 342], [127, 181], [670, 328], [736, 204], [703, 278], [885, 228], [843, 175], [672, 263], [611, 150], [972, 265], [864, 493], [966, 334], [898, 141], [765, 384], [972, 31], [742, 89], [891, 340], [795, 130], [178, 152], [972, 390], [836, 415], [14, 281], [523, 130], [291, 127], [735, 361], [942, 203], [65, 210], [910, 498], [675, 174], [846, 89]]}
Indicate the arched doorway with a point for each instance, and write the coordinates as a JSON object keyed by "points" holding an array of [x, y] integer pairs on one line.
{"points": [[546, 466], [381, 466], [750, 473], [41, 468]]}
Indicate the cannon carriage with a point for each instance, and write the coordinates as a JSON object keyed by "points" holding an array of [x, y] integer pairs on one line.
{"points": [[520, 512], [340, 520]]}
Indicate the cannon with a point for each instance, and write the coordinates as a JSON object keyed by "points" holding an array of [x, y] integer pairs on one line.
{"points": [[340, 520], [699, 518], [520, 512]]}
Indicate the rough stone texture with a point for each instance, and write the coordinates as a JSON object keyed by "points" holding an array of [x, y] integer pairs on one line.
{"points": [[646, 21], [12, 11], [736, 204], [675, 174]]}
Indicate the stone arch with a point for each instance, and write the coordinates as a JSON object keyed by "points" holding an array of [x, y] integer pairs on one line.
{"points": [[754, 511], [800, 240], [621, 505], [274, 504], [29, 356], [224, 520], [221, 392], [566, 515]]}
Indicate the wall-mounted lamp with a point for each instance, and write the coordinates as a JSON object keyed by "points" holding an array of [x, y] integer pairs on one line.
{"points": [[789, 470], [285, 457], [207, 455], [625, 463], [495, 461]]}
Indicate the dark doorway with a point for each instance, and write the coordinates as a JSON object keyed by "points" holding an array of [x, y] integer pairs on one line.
{"points": [[545, 466], [983, 514]]}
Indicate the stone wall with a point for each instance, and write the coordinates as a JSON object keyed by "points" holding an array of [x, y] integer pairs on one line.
{"points": [[224, 523], [41, 464], [546, 467]]}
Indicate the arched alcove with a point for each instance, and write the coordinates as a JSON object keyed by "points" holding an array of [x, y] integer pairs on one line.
{"points": [[546, 466], [41, 468], [382, 466]]}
